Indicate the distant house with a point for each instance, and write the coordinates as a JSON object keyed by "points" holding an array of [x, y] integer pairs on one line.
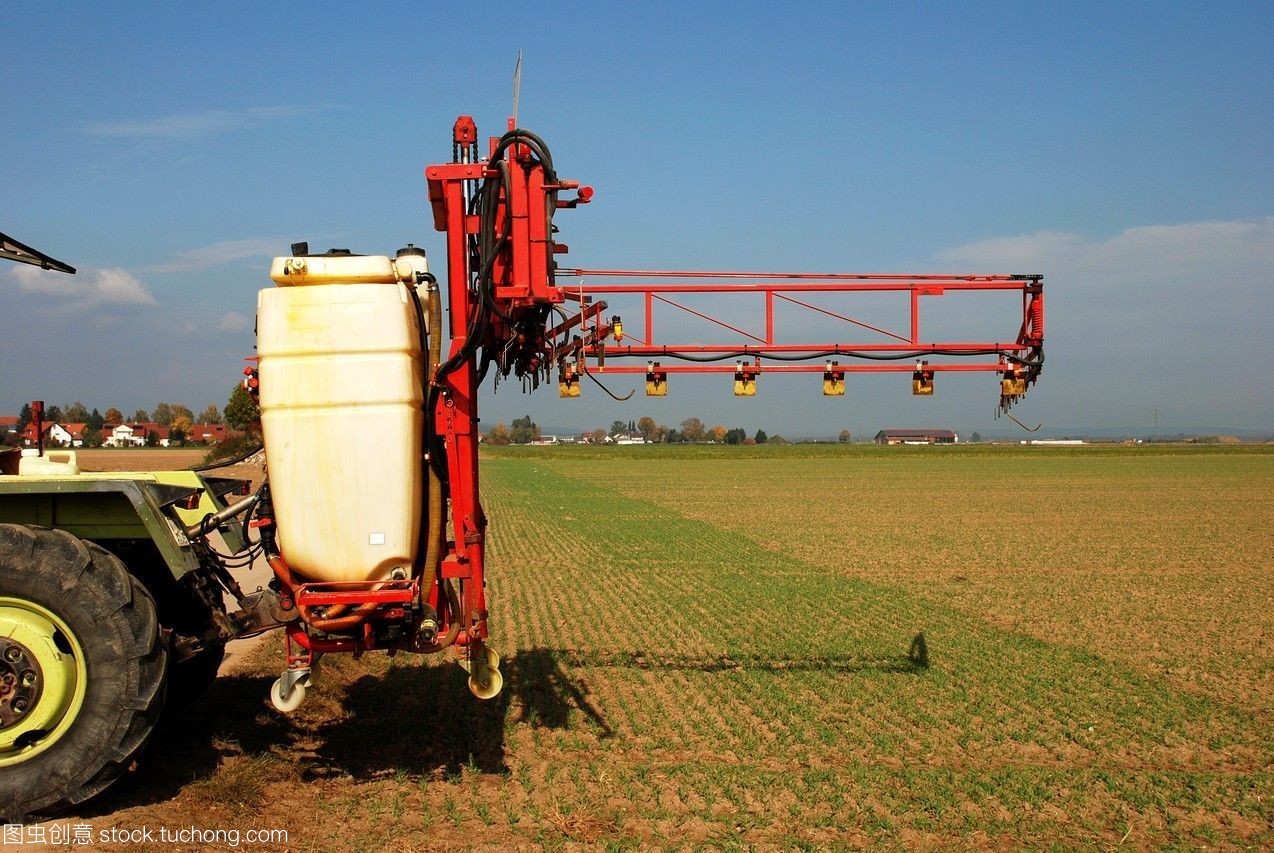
{"points": [[56, 434], [634, 438], [210, 433], [916, 436], [134, 434], [8, 423]]}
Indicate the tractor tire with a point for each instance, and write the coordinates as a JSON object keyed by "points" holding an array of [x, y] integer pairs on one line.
{"points": [[83, 651]]}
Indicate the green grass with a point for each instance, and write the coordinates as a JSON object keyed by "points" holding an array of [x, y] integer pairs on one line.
{"points": [[709, 646]]}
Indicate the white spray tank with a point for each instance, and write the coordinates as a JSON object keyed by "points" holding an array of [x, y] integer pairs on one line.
{"points": [[342, 411]]}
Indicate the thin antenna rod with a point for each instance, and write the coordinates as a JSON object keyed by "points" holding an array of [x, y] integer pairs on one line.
{"points": [[517, 86]]}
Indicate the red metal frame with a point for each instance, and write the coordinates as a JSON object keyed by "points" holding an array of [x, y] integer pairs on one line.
{"points": [[502, 287]]}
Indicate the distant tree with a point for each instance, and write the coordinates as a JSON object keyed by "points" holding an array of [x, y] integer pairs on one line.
{"points": [[523, 430], [152, 438], [649, 430], [53, 414], [241, 410], [735, 436], [618, 428], [140, 416], [24, 416], [210, 415], [761, 437], [671, 436], [166, 413], [76, 413], [93, 436], [113, 416], [498, 434], [843, 438], [717, 433], [692, 429], [977, 436], [598, 435], [95, 420]]}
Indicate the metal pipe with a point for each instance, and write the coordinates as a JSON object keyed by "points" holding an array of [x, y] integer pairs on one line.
{"points": [[210, 523]]}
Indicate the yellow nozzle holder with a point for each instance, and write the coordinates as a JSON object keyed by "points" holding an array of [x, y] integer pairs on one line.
{"points": [[922, 380], [1013, 384], [656, 381], [617, 328], [833, 380], [744, 381], [568, 381]]}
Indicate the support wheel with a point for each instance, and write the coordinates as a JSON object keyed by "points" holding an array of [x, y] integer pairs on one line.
{"points": [[289, 703], [82, 670], [486, 683]]}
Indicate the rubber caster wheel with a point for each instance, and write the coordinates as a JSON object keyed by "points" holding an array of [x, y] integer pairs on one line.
{"points": [[293, 700], [486, 685]]}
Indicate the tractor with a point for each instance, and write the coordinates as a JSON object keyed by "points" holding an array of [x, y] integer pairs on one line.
{"points": [[118, 591]]}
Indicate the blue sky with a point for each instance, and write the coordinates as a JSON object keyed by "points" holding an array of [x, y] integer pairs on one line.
{"points": [[1122, 150]]}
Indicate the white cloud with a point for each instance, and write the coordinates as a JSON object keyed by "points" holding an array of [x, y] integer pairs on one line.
{"points": [[91, 286], [193, 125], [232, 321], [1217, 258], [1159, 316], [223, 252]]}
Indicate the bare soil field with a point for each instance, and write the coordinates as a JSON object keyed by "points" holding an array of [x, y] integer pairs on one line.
{"points": [[139, 459], [717, 648]]}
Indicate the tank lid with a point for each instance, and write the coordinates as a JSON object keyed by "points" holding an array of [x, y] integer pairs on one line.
{"points": [[302, 250], [410, 249]]}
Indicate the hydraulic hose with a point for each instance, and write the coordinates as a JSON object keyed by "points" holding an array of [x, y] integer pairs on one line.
{"points": [[436, 507]]}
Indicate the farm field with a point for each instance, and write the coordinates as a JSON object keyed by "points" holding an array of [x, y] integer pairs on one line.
{"points": [[715, 646]]}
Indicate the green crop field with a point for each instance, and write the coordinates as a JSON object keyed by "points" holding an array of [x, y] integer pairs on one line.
{"points": [[717, 646]]}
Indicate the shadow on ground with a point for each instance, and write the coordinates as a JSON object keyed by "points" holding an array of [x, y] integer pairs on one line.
{"points": [[414, 718]]}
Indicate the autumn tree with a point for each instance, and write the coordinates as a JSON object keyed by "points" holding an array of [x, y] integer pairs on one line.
{"points": [[649, 430], [717, 433], [598, 435], [692, 429], [498, 434], [241, 410], [210, 415], [113, 416], [843, 438]]}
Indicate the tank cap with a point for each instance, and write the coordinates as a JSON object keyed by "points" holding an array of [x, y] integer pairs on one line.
{"points": [[411, 249], [339, 253]]}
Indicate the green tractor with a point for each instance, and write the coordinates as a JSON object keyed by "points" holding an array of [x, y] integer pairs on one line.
{"points": [[108, 615], [110, 612]]}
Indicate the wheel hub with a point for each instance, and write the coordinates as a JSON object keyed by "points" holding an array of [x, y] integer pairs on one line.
{"points": [[20, 682], [43, 679]]}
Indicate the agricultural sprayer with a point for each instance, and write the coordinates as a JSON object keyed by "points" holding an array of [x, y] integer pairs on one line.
{"points": [[113, 588]]}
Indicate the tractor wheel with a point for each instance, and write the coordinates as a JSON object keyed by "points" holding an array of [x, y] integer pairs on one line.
{"points": [[82, 670]]}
